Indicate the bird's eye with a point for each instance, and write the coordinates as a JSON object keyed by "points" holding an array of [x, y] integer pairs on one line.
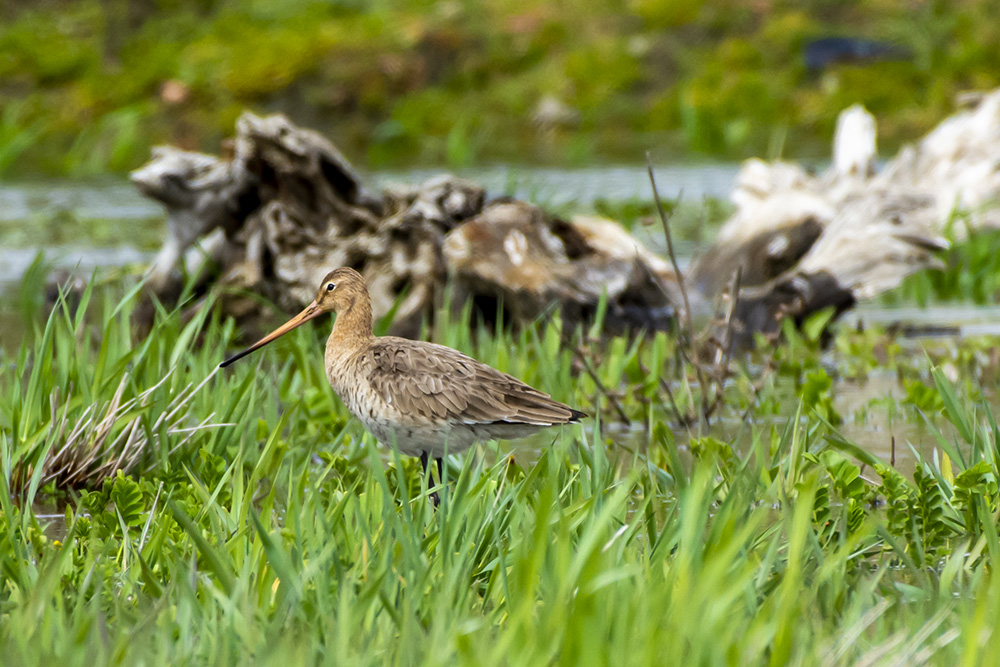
{"points": [[329, 287]]}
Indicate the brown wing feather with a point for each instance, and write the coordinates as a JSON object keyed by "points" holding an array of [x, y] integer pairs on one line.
{"points": [[440, 384]]}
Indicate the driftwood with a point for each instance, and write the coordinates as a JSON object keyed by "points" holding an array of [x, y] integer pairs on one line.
{"points": [[288, 207], [804, 242], [497, 260], [854, 231]]}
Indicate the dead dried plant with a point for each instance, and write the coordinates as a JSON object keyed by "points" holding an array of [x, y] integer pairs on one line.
{"points": [[705, 355], [83, 451]]}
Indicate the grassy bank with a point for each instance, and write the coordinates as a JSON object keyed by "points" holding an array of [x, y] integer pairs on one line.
{"points": [[86, 86], [258, 522]]}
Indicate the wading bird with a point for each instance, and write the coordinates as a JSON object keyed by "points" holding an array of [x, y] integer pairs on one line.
{"points": [[423, 398]]}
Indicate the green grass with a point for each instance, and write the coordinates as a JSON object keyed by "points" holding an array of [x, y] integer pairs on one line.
{"points": [[89, 86], [261, 524], [970, 273]]}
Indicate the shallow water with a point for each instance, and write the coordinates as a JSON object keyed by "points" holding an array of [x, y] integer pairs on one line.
{"points": [[939, 320], [558, 187], [861, 404]]}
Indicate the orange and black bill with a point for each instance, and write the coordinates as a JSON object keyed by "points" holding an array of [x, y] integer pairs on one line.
{"points": [[312, 311]]}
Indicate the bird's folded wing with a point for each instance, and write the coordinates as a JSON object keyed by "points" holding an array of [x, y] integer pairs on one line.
{"points": [[437, 384]]}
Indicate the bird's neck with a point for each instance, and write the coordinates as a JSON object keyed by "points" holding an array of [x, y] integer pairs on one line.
{"points": [[353, 327]]}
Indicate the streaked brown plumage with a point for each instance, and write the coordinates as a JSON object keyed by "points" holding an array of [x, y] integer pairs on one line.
{"points": [[425, 399]]}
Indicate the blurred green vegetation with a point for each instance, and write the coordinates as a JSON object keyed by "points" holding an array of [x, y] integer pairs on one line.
{"points": [[970, 272], [86, 86]]}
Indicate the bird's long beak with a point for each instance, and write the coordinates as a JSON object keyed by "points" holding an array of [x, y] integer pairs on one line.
{"points": [[311, 311]]}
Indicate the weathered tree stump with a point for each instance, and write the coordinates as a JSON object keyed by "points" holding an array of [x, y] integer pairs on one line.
{"points": [[288, 207], [810, 241]]}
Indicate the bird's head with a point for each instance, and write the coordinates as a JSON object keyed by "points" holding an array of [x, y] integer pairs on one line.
{"points": [[340, 290]]}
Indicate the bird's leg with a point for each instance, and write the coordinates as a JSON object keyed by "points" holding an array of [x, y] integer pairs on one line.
{"points": [[440, 466], [425, 459]]}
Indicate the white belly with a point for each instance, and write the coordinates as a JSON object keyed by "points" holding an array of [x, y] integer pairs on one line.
{"points": [[414, 440], [411, 436]]}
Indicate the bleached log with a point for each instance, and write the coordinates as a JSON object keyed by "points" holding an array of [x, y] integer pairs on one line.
{"points": [[805, 242], [291, 208], [201, 193]]}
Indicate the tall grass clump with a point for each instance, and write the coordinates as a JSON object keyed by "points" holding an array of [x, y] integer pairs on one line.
{"points": [[83, 398]]}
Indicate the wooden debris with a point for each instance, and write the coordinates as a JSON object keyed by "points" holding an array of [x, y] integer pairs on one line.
{"points": [[288, 207]]}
